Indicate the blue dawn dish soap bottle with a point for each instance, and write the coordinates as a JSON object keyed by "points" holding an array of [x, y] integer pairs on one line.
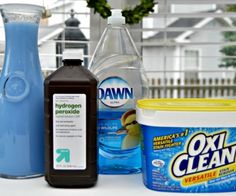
{"points": [[117, 64]]}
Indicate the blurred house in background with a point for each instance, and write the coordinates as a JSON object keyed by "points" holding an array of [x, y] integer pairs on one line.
{"points": [[182, 50]]}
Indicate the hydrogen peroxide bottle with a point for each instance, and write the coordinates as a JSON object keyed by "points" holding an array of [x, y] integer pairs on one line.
{"points": [[117, 64], [71, 124]]}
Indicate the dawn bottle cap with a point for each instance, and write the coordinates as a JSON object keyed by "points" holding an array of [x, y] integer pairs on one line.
{"points": [[116, 17]]}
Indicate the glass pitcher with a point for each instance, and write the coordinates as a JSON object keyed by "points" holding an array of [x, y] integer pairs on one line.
{"points": [[21, 94]]}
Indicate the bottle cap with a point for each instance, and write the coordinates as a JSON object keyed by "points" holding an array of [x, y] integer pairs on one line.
{"points": [[116, 17], [72, 54]]}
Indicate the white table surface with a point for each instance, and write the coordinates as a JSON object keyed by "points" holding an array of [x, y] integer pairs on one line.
{"points": [[108, 185]]}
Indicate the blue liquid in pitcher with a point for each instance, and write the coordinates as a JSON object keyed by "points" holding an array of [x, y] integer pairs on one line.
{"points": [[21, 104]]}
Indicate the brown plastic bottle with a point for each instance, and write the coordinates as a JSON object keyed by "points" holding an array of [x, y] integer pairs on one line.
{"points": [[71, 125]]}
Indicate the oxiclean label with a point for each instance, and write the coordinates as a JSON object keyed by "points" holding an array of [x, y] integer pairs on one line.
{"points": [[189, 159]]}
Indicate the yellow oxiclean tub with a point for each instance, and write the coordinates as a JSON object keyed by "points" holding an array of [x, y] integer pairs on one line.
{"points": [[189, 145]]}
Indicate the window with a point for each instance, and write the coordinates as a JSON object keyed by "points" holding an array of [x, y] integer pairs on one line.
{"points": [[68, 27], [189, 48], [191, 64], [182, 39]]}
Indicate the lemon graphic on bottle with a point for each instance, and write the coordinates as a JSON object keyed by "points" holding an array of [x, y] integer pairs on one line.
{"points": [[131, 128]]}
